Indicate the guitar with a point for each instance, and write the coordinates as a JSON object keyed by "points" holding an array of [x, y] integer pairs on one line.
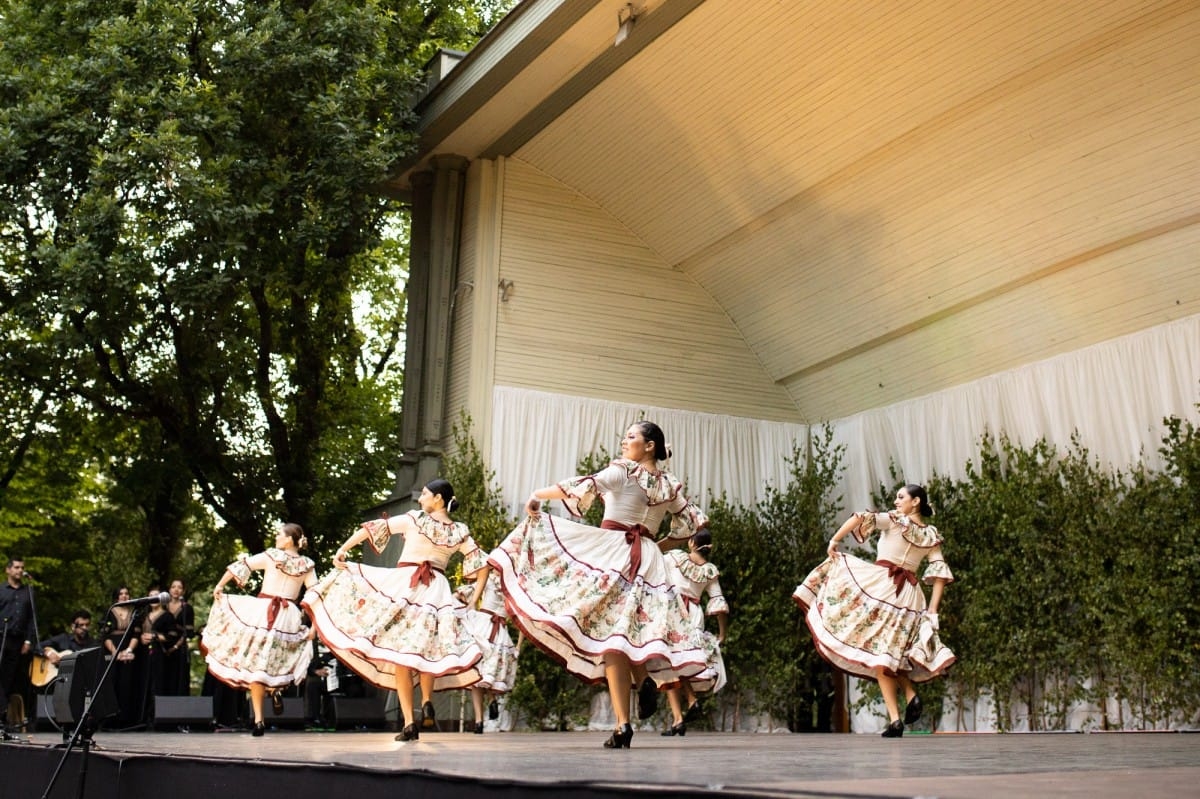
{"points": [[41, 671]]}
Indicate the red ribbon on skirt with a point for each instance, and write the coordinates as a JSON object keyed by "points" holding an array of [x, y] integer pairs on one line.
{"points": [[497, 623], [277, 603], [423, 573], [634, 533], [899, 574]]}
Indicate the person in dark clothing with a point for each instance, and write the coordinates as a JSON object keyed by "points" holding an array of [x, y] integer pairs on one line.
{"points": [[17, 632], [74, 640]]}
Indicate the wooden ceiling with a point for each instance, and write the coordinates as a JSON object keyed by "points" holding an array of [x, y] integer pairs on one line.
{"points": [[885, 198]]}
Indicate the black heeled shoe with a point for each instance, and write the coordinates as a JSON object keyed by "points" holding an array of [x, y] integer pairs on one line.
{"points": [[894, 730], [913, 712], [677, 729], [277, 703], [479, 728], [409, 733], [428, 717], [259, 729], [647, 699], [620, 738]]}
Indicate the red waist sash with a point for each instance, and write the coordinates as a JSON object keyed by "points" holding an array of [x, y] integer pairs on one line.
{"points": [[423, 574], [277, 603], [634, 533], [899, 574]]}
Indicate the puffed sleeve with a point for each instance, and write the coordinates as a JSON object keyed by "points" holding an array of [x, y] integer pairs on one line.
{"points": [[582, 491], [474, 558], [240, 570], [937, 569], [869, 522], [716, 604], [379, 533], [687, 519]]}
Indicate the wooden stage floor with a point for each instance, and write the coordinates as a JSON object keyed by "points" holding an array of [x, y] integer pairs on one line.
{"points": [[966, 766]]}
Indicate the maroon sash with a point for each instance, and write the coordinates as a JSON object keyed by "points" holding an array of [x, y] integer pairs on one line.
{"points": [[899, 574], [277, 603], [633, 536], [423, 573]]}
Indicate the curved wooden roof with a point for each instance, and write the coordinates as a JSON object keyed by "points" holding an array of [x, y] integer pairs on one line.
{"points": [[884, 198]]}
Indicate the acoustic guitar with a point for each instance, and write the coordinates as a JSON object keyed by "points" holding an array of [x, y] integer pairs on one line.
{"points": [[41, 671]]}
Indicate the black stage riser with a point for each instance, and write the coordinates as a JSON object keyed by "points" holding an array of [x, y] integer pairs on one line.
{"points": [[27, 770]]}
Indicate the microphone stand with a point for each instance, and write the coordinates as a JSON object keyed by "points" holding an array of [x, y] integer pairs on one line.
{"points": [[5, 735], [84, 726]]}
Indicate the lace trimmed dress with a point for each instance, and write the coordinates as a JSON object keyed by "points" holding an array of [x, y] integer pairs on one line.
{"points": [[866, 615], [376, 618], [498, 666], [261, 639], [695, 580], [579, 592]]}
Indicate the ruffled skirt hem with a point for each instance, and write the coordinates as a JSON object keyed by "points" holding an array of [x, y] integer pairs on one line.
{"points": [[860, 624], [240, 649], [372, 620], [567, 588]]}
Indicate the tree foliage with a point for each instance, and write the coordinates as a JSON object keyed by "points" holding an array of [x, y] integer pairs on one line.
{"points": [[198, 268]]}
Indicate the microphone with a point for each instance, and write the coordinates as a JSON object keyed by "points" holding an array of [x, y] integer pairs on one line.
{"points": [[155, 599]]}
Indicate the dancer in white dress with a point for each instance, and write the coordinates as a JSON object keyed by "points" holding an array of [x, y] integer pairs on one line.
{"points": [[260, 642], [401, 626], [600, 600], [871, 619], [487, 618], [696, 576]]}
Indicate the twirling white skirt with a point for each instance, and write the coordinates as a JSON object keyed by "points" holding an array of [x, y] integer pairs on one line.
{"points": [[373, 619]]}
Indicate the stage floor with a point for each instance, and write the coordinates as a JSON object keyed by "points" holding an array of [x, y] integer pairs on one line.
{"points": [[970, 766]]}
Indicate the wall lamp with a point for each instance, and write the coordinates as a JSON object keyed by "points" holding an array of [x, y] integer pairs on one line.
{"points": [[625, 18]]}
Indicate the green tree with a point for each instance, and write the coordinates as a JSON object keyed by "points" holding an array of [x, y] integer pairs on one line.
{"points": [[194, 244]]}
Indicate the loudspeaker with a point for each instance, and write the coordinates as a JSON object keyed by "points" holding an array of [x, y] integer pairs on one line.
{"points": [[78, 689], [292, 715], [43, 720], [175, 711], [357, 712]]}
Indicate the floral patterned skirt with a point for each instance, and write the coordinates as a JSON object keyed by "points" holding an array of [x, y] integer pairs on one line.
{"points": [[241, 649], [860, 623], [373, 620], [498, 666], [567, 587], [713, 676]]}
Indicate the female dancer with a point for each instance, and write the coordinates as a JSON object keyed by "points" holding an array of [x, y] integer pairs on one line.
{"points": [[600, 600], [870, 619], [261, 642], [694, 575], [487, 619], [400, 626]]}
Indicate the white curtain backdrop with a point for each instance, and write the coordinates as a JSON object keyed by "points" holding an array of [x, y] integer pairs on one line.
{"points": [[539, 439], [1115, 394]]}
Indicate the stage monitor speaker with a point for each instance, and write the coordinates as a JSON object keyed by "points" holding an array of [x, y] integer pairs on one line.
{"points": [[43, 720], [292, 715], [358, 711], [178, 711], [77, 688]]}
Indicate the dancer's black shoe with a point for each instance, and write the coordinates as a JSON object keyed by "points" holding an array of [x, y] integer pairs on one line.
{"points": [[913, 712], [677, 729], [647, 699], [894, 730], [409, 733], [620, 739], [428, 717]]}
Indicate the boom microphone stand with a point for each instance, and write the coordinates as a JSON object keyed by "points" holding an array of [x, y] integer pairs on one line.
{"points": [[5, 735], [85, 726]]}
